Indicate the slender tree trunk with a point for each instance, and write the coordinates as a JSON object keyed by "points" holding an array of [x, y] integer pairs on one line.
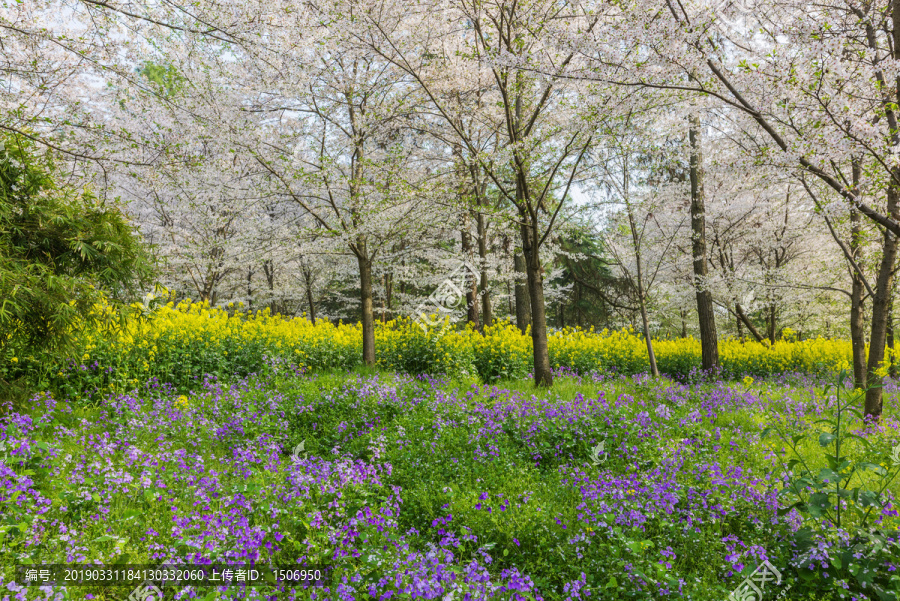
{"points": [[771, 322], [543, 376], [650, 354], [683, 323], [562, 315], [523, 301], [384, 300], [880, 305], [740, 329], [857, 293], [269, 272], [368, 316], [857, 332], [892, 370], [641, 297], [312, 304], [250, 288], [487, 315], [472, 290], [746, 320], [709, 342]]}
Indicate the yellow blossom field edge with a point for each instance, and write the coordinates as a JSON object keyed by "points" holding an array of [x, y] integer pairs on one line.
{"points": [[181, 343]]}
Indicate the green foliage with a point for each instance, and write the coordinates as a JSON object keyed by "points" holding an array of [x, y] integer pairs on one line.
{"points": [[62, 251], [166, 77], [841, 495], [595, 291]]}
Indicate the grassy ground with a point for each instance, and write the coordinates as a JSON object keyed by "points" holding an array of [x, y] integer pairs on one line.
{"points": [[402, 487]]}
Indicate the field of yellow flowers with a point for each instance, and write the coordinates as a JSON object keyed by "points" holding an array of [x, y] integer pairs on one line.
{"points": [[180, 344]]}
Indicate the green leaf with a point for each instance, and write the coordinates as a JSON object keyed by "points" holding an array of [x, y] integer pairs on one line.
{"points": [[827, 474], [865, 442], [818, 504], [613, 583], [799, 505], [868, 498], [866, 465], [826, 438]]}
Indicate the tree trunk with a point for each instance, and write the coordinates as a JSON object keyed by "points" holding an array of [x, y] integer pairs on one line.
{"points": [[368, 316], [523, 301], [250, 288], [312, 305], [543, 376], [308, 279], [771, 322], [740, 329], [269, 271], [650, 354], [487, 316], [746, 320], [857, 332], [640, 290], [683, 323], [892, 370], [880, 305], [472, 290], [709, 342]]}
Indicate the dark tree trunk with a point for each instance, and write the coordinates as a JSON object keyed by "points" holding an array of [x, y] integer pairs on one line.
{"points": [[880, 305], [368, 315], [746, 321], [472, 289], [740, 329], [771, 322], [312, 305], [308, 279], [523, 301], [683, 324], [250, 288], [543, 376], [857, 332], [709, 341]]}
